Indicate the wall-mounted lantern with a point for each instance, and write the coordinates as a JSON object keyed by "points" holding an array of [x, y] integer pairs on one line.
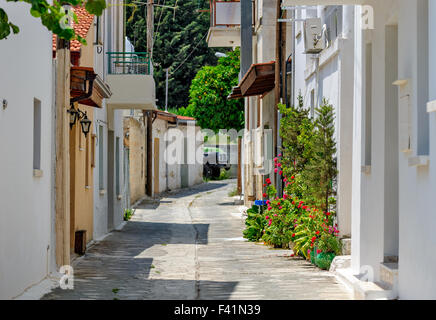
{"points": [[76, 115]]}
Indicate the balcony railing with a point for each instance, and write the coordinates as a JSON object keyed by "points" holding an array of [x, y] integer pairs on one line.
{"points": [[129, 63]]}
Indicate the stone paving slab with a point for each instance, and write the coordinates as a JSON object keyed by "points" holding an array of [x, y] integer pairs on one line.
{"points": [[188, 245]]}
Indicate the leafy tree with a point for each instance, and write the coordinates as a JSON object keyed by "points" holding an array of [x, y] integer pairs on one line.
{"points": [[322, 171], [52, 16], [179, 44], [296, 131], [208, 95]]}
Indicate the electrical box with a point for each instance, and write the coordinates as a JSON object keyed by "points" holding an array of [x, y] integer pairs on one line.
{"points": [[314, 36]]}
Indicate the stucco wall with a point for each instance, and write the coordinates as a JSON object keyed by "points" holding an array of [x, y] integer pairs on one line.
{"points": [[25, 210], [137, 158]]}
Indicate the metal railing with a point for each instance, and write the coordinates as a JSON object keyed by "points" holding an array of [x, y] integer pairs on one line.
{"points": [[129, 63]]}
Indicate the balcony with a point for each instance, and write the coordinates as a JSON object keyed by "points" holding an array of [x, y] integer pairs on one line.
{"points": [[130, 77], [225, 24]]}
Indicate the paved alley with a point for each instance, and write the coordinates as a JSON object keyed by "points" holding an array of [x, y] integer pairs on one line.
{"points": [[189, 245]]}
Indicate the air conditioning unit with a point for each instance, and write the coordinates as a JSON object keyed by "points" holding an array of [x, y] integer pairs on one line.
{"points": [[314, 36]]}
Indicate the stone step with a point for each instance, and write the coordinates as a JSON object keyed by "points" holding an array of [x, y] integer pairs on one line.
{"points": [[389, 275], [364, 290]]}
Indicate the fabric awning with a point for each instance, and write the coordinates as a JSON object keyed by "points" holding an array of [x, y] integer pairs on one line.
{"points": [[259, 80]]}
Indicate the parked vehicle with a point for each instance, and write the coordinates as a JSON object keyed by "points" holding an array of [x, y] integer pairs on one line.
{"points": [[213, 160]]}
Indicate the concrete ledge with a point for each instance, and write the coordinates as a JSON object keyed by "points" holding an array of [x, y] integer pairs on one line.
{"points": [[419, 161], [363, 290]]}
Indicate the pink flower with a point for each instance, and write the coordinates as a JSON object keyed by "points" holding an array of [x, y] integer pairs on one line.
{"points": [[269, 223], [276, 159], [275, 215], [276, 170], [280, 207], [269, 208], [280, 155], [281, 172], [267, 217]]}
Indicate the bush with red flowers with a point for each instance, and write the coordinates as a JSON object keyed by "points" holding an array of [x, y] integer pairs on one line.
{"points": [[304, 216]]}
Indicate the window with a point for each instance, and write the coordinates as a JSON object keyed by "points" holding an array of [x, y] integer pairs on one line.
{"points": [[36, 134], [117, 166], [100, 158], [332, 18], [98, 31], [93, 150]]}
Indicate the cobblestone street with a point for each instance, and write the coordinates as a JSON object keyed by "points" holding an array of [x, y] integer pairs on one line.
{"points": [[189, 245]]}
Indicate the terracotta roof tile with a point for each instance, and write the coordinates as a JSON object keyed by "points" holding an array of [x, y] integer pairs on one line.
{"points": [[85, 20], [185, 118]]}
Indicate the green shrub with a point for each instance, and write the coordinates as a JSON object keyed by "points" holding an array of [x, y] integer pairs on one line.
{"points": [[255, 224], [128, 213]]}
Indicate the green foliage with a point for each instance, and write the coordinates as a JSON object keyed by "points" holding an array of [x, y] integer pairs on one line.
{"points": [[324, 260], [128, 213], [52, 16], [308, 169], [179, 44], [208, 95], [255, 224], [321, 171]]}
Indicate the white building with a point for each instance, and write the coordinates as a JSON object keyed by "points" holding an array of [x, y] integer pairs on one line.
{"points": [[26, 161], [393, 174], [329, 75]]}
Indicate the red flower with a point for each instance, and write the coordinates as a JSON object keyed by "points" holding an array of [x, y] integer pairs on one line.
{"points": [[317, 232], [293, 235], [327, 214], [292, 177], [292, 255], [281, 172], [264, 195], [318, 251], [313, 239], [268, 180]]}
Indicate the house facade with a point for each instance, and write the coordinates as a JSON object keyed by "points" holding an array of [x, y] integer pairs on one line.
{"points": [[63, 173], [161, 162], [26, 171], [392, 146]]}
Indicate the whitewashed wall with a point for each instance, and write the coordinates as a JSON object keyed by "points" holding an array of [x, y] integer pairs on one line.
{"points": [[416, 184], [25, 201]]}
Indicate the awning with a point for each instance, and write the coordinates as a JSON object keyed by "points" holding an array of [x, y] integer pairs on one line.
{"points": [[259, 80], [87, 87]]}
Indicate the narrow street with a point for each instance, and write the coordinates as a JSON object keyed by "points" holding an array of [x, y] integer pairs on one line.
{"points": [[188, 245]]}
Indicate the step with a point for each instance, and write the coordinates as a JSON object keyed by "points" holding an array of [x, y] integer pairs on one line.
{"points": [[363, 290], [389, 275]]}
